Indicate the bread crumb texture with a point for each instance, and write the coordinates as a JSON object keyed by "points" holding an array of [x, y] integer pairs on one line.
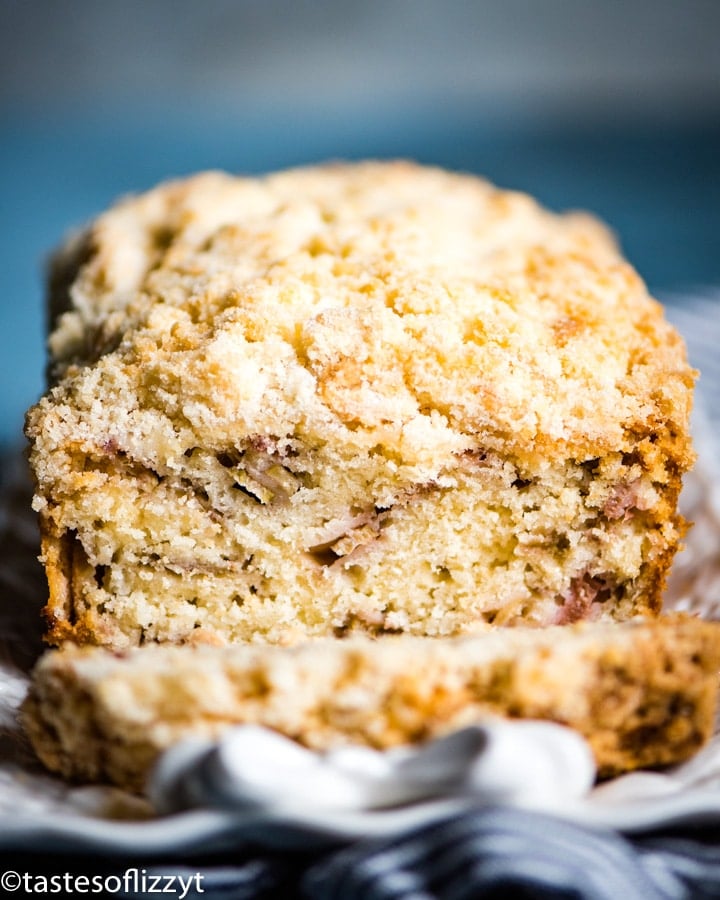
{"points": [[371, 397], [643, 693]]}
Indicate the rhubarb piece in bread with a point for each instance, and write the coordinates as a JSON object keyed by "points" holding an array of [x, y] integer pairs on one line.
{"points": [[643, 693], [374, 397]]}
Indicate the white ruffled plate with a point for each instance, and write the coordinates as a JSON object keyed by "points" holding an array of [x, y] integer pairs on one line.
{"points": [[266, 810]]}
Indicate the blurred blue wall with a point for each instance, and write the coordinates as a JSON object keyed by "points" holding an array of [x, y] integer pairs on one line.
{"points": [[611, 106]]}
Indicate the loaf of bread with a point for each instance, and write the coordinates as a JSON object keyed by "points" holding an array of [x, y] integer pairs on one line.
{"points": [[642, 693], [372, 397]]}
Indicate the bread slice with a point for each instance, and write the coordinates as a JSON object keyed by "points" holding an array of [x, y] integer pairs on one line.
{"points": [[643, 693], [375, 397]]}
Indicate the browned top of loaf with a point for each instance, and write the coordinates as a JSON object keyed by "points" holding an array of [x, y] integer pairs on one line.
{"points": [[382, 305]]}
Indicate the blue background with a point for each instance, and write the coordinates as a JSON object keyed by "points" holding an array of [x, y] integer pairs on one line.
{"points": [[612, 107]]}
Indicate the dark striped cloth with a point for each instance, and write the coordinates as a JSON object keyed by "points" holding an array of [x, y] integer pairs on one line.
{"points": [[493, 852]]}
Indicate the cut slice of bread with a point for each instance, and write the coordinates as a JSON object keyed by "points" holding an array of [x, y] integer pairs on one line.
{"points": [[643, 693]]}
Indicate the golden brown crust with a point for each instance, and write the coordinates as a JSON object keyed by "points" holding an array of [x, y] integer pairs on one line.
{"points": [[56, 556], [70, 616], [642, 693]]}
